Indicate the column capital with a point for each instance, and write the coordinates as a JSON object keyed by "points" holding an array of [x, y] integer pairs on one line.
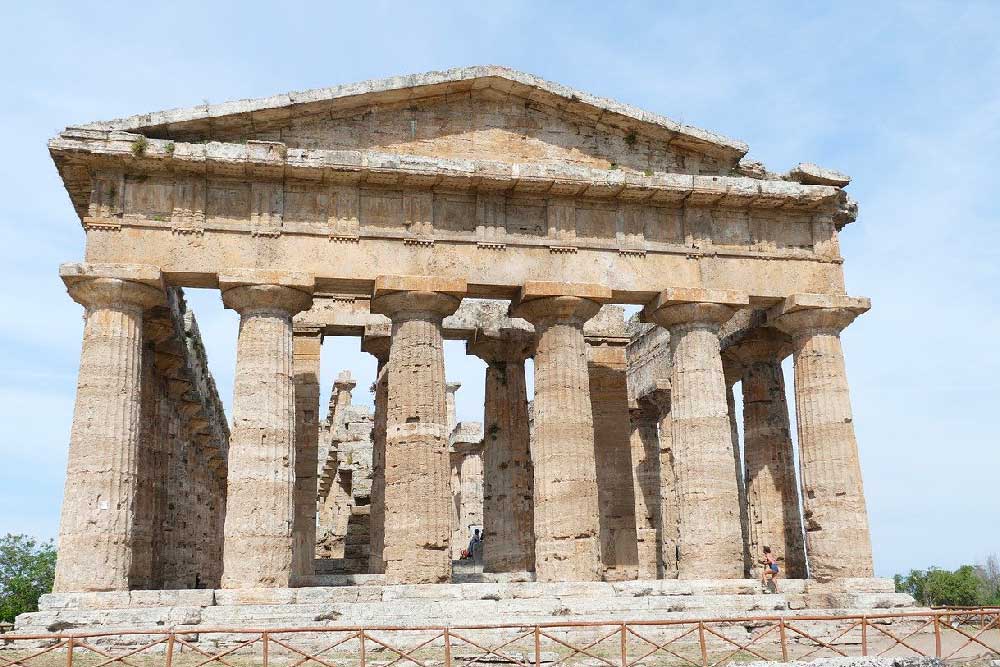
{"points": [[345, 381], [409, 297], [376, 340], [675, 307], [250, 299], [252, 291], [504, 345], [539, 302], [760, 345], [659, 396], [807, 314], [114, 285], [732, 368]]}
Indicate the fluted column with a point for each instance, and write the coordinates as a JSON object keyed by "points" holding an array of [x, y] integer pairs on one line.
{"points": [[645, 445], [567, 529], [417, 492], [711, 539], [508, 505], [96, 533], [838, 542], [261, 483], [376, 342], [772, 490], [306, 343], [669, 510]]}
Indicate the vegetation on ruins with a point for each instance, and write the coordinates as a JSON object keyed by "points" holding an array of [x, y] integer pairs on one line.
{"points": [[967, 586], [27, 568]]}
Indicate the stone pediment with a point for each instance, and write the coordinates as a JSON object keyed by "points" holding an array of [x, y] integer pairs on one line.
{"points": [[477, 113]]}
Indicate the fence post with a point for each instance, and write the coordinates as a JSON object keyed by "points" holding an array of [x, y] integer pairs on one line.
{"points": [[624, 647], [784, 640], [864, 635], [447, 648], [265, 656], [170, 650], [937, 635], [701, 641], [69, 652], [538, 646]]}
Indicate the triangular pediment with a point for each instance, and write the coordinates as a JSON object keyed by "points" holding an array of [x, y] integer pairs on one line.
{"points": [[478, 113]]}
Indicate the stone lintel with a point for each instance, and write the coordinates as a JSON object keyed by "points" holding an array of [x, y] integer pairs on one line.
{"points": [[389, 284], [796, 302], [303, 282]]}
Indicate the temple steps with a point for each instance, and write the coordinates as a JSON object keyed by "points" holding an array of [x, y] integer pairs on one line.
{"points": [[371, 604]]}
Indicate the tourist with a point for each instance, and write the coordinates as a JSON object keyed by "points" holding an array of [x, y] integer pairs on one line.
{"points": [[474, 543], [769, 575]]}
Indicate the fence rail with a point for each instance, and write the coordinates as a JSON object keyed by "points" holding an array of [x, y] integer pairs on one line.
{"points": [[953, 633]]}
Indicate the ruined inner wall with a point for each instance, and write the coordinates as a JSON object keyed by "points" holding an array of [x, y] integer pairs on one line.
{"points": [[345, 473], [182, 471]]}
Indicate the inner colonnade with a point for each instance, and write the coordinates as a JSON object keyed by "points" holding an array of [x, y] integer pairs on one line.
{"points": [[480, 204]]}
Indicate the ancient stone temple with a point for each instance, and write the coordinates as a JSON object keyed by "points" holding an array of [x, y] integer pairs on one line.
{"points": [[485, 205]]}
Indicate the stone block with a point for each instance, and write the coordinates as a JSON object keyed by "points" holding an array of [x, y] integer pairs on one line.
{"points": [[255, 596], [422, 592]]}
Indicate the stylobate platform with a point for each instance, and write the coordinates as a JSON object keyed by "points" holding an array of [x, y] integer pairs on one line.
{"points": [[373, 605]]}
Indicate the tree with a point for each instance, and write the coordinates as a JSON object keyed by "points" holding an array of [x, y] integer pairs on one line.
{"points": [[989, 572], [935, 587], [27, 569]]}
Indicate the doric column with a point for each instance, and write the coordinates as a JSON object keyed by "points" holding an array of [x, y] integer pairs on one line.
{"points": [[711, 540], [508, 505], [468, 447], [455, 509], [837, 539], [376, 343], [261, 484], [613, 457], [306, 343], [451, 388], [417, 526], [669, 509], [567, 529], [732, 371], [772, 491], [96, 533], [645, 444]]}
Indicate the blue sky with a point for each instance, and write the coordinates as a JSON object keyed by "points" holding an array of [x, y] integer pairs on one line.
{"points": [[903, 97]]}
